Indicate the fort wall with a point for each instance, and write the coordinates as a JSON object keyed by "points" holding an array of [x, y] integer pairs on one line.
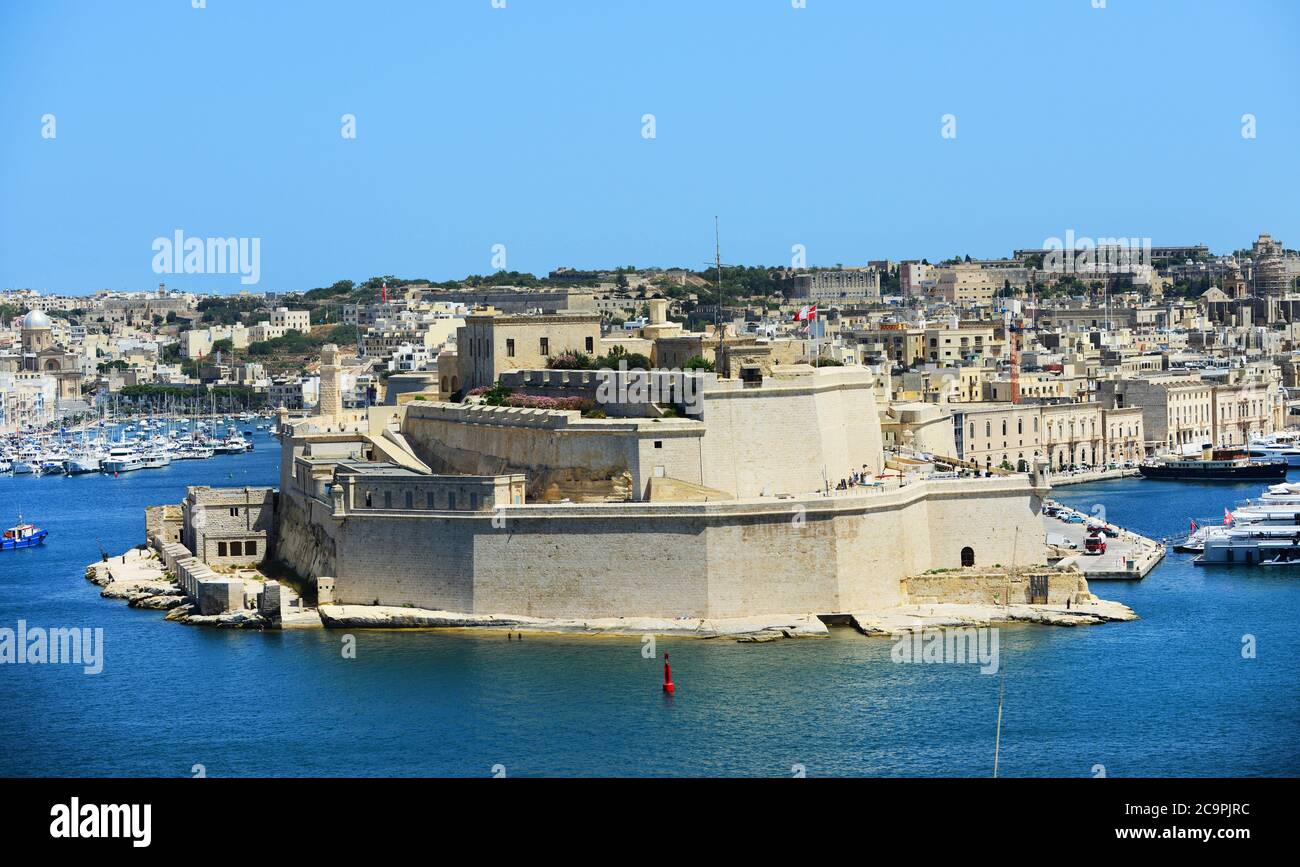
{"points": [[724, 559]]}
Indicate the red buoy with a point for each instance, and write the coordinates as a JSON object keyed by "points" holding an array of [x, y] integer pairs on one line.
{"points": [[669, 686]]}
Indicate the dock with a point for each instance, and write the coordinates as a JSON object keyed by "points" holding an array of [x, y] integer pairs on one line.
{"points": [[1129, 556]]}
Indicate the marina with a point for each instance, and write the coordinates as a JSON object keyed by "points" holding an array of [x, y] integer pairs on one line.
{"points": [[116, 448]]}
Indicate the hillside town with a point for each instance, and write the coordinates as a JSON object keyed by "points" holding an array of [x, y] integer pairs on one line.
{"points": [[1083, 354]]}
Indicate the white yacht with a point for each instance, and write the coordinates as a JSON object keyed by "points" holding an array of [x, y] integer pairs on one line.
{"points": [[154, 459], [1280, 446], [122, 459], [1262, 531], [80, 463]]}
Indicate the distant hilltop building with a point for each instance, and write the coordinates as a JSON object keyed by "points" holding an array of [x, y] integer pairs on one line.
{"points": [[1271, 277], [831, 286], [41, 355]]}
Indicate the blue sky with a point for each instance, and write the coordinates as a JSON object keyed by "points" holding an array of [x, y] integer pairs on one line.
{"points": [[522, 126]]}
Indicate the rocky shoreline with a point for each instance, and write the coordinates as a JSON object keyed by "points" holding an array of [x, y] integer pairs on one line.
{"points": [[138, 577], [142, 582]]}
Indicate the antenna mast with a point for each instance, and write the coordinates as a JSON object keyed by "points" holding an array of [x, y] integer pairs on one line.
{"points": [[717, 264]]}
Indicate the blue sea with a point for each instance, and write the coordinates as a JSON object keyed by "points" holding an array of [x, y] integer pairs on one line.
{"points": [[1169, 695]]}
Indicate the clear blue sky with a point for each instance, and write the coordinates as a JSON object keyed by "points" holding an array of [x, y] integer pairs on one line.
{"points": [[522, 126]]}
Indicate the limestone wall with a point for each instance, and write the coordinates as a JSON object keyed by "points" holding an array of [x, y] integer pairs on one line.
{"points": [[305, 538], [977, 586], [563, 455], [724, 559]]}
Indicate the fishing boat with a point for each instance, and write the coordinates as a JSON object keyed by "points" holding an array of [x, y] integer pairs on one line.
{"points": [[22, 536]]}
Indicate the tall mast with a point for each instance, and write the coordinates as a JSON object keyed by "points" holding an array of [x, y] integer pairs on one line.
{"points": [[717, 264]]}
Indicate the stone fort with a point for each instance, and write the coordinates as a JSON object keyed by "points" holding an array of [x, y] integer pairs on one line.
{"points": [[726, 506]]}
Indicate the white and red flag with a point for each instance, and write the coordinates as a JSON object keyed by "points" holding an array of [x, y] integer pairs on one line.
{"points": [[1227, 518], [806, 314], [383, 292]]}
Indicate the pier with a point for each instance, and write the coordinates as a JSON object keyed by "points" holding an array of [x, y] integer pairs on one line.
{"points": [[1129, 556]]}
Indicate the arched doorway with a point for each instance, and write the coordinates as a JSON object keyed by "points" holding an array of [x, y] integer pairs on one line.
{"points": [[968, 556]]}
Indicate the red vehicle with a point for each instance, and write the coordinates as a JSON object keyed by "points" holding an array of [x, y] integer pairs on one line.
{"points": [[1094, 544]]}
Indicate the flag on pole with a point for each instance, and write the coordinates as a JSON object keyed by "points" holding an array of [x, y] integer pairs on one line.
{"points": [[383, 292], [1227, 518], [806, 314], [1193, 528]]}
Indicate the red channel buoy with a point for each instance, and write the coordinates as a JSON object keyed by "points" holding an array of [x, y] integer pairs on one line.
{"points": [[669, 686]]}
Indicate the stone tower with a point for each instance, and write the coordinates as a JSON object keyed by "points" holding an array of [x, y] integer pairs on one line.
{"points": [[331, 382]]}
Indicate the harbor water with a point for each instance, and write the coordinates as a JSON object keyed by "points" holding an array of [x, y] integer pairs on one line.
{"points": [[1170, 694]]}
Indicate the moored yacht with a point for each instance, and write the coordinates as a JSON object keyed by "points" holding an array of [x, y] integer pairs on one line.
{"points": [[80, 464], [122, 459], [1281, 446], [1214, 465], [1257, 532]]}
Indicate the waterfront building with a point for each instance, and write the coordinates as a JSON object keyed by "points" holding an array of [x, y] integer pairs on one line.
{"points": [[228, 526]]}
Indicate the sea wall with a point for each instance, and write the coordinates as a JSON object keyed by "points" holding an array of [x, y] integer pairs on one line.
{"points": [[996, 587], [723, 559]]}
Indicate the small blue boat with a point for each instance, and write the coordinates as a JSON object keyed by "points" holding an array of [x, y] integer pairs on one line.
{"points": [[22, 536]]}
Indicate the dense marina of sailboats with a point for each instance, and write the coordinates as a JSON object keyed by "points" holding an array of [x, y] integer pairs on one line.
{"points": [[114, 447]]}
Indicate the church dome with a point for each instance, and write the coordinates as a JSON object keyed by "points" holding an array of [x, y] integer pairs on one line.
{"points": [[35, 319]]}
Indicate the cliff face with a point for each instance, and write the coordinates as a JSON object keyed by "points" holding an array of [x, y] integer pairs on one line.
{"points": [[302, 543]]}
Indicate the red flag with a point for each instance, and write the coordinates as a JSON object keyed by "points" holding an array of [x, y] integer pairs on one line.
{"points": [[1227, 518], [383, 293], [1193, 529], [806, 314]]}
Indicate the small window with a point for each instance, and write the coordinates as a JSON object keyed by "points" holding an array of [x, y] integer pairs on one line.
{"points": [[591, 346], [546, 346], [473, 502], [236, 549], [968, 556], [428, 500], [659, 444], [388, 499], [451, 500], [221, 549], [510, 347], [234, 512], [410, 500], [368, 502], [250, 548]]}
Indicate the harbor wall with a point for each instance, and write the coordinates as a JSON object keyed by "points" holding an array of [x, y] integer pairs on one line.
{"points": [[724, 559]]}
